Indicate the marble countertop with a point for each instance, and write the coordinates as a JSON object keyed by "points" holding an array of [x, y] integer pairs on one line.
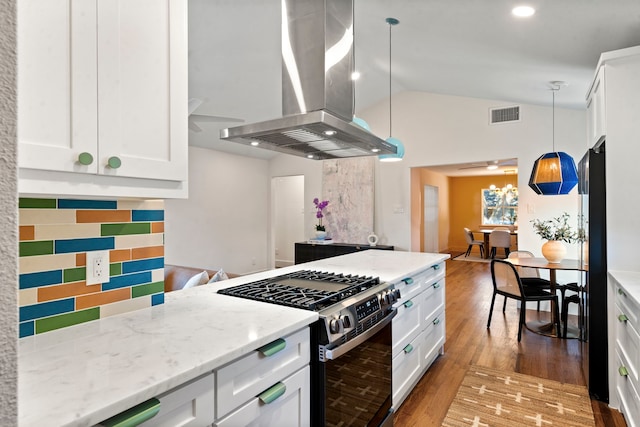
{"points": [[630, 281], [81, 375]]}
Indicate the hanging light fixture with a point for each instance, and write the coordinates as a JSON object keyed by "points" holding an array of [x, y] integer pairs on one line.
{"points": [[554, 173], [394, 141]]}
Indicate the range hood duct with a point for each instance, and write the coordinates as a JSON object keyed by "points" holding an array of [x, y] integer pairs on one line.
{"points": [[317, 88]]}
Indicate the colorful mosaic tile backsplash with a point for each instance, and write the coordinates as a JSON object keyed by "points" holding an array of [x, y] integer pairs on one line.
{"points": [[55, 236]]}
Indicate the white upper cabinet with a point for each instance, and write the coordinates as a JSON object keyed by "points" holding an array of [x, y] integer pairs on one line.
{"points": [[596, 109], [102, 89]]}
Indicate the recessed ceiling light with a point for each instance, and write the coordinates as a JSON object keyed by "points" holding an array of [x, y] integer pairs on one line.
{"points": [[375, 150], [309, 156], [492, 167], [255, 143], [330, 132], [523, 11]]}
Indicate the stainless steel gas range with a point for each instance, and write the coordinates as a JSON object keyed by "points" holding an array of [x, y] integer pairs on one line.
{"points": [[351, 342]]}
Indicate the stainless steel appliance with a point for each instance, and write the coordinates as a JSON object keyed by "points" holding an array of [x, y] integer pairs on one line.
{"points": [[351, 342], [592, 188], [317, 88]]}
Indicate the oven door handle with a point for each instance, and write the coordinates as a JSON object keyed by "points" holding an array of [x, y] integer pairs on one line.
{"points": [[334, 353]]}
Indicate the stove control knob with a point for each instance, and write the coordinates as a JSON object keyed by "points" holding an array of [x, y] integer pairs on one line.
{"points": [[396, 293], [392, 297], [387, 298], [346, 321], [336, 326]]}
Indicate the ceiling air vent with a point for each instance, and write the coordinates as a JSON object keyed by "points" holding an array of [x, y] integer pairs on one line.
{"points": [[504, 115]]}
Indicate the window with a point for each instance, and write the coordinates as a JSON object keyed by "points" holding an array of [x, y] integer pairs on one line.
{"points": [[499, 206]]}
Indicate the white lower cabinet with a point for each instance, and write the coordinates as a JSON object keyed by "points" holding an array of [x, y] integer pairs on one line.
{"points": [[268, 387], [418, 329]]}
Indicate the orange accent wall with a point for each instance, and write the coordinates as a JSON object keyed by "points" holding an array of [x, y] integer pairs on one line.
{"points": [[460, 206]]}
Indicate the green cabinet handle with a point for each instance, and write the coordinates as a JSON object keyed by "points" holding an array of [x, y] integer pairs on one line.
{"points": [[272, 393], [85, 158], [436, 267], [408, 304], [436, 285], [114, 162], [621, 292], [623, 318], [408, 349], [273, 347], [623, 371], [408, 280], [134, 416], [436, 321]]}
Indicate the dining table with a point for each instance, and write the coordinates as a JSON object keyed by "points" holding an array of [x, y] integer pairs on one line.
{"points": [[486, 232], [548, 327]]}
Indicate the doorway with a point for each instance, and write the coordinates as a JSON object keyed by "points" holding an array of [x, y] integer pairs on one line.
{"points": [[430, 219], [288, 217]]}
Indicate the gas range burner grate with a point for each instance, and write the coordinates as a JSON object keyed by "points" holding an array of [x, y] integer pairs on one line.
{"points": [[306, 289]]}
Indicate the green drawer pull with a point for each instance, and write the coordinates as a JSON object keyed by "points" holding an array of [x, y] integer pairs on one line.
{"points": [[436, 267], [436, 285], [408, 349], [273, 347], [436, 321], [85, 158], [114, 162], [272, 393], [408, 280], [408, 303], [623, 371], [134, 416], [621, 292], [623, 318]]}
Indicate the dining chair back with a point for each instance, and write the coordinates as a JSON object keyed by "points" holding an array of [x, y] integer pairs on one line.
{"points": [[471, 242], [506, 282], [500, 239]]}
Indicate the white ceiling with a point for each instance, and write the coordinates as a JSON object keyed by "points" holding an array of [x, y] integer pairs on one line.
{"points": [[473, 48]]}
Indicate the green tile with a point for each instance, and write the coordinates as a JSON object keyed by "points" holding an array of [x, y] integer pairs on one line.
{"points": [[74, 274], [40, 247], [115, 269], [128, 228], [25, 202], [68, 319], [148, 289]]}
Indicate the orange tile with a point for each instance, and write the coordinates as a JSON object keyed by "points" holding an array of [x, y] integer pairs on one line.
{"points": [[157, 227], [148, 252], [81, 259], [27, 232], [119, 255], [102, 298], [102, 216], [48, 293]]}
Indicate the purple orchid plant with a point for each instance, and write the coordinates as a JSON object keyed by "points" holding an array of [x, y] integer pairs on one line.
{"points": [[320, 206]]}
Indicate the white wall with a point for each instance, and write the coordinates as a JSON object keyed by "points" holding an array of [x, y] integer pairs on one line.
{"points": [[9, 213], [225, 221], [288, 210]]}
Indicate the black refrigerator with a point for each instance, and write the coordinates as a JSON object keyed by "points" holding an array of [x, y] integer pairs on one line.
{"points": [[592, 189]]}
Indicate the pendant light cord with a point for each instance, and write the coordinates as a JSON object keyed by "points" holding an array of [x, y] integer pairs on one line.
{"points": [[553, 119]]}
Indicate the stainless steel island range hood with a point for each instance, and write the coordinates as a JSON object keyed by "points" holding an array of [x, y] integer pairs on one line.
{"points": [[317, 88]]}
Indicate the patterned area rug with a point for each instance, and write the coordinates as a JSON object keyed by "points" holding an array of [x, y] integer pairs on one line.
{"points": [[490, 397], [471, 258]]}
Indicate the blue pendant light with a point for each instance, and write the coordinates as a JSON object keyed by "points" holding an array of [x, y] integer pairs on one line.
{"points": [[554, 173], [393, 141]]}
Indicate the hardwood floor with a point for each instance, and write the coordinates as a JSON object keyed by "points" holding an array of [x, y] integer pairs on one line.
{"points": [[468, 296]]}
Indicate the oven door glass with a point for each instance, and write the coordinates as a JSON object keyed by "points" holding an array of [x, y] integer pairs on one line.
{"points": [[358, 383]]}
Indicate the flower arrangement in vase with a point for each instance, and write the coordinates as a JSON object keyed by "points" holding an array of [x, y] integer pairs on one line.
{"points": [[321, 232], [556, 231]]}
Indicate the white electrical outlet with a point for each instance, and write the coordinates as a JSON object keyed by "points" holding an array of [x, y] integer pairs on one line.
{"points": [[97, 267]]}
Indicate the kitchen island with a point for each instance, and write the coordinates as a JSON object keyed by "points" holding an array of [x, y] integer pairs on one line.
{"points": [[81, 375]]}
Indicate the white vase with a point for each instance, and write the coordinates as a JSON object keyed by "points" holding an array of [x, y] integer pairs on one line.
{"points": [[554, 251], [321, 235]]}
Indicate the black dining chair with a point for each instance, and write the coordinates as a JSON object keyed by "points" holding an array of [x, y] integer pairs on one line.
{"points": [[506, 282]]}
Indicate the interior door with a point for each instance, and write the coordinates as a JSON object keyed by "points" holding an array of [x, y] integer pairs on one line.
{"points": [[430, 219], [288, 217]]}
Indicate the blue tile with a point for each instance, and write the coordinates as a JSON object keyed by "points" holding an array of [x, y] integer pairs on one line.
{"points": [[83, 245], [157, 299], [127, 280], [26, 329], [87, 204], [45, 309], [42, 278], [147, 215], [142, 265]]}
